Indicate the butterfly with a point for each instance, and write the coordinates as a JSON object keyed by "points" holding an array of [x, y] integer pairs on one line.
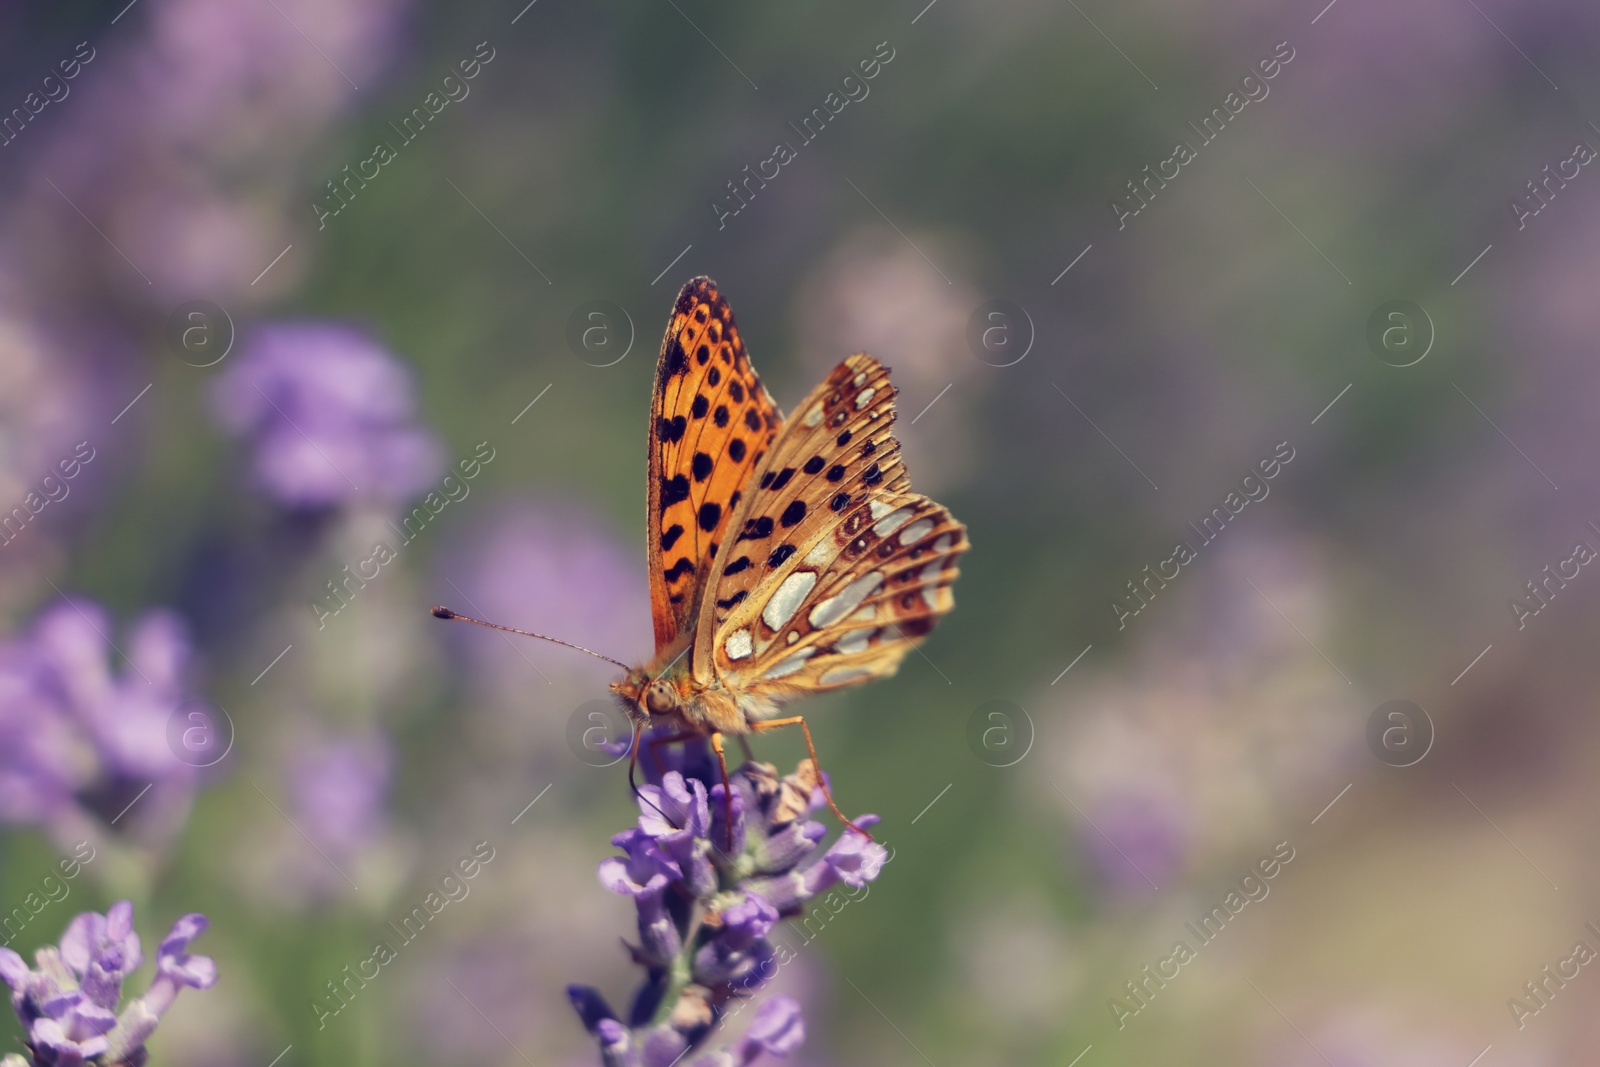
{"points": [[786, 556]]}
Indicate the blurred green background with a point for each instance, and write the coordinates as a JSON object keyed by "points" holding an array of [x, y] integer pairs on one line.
{"points": [[1177, 352]]}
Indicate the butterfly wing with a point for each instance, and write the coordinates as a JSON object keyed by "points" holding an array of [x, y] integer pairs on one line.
{"points": [[711, 421], [835, 570]]}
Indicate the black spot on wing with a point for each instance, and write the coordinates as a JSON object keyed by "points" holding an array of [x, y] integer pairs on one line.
{"points": [[782, 479], [674, 361], [734, 599], [779, 554], [670, 538], [736, 450], [720, 415], [814, 464], [701, 466], [710, 515], [671, 430], [836, 473], [794, 513], [840, 502], [679, 569], [700, 406], [674, 490], [752, 418], [740, 564], [736, 390], [755, 529]]}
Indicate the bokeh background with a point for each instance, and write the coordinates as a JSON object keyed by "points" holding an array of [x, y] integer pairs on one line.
{"points": [[1042, 858]]}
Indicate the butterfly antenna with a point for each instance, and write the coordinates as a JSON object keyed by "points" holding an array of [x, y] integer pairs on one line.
{"points": [[446, 613]]}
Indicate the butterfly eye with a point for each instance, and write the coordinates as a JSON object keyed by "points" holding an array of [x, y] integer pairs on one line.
{"points": [[660, 698]]}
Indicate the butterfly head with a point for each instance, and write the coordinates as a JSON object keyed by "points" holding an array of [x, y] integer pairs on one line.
{"points": [[644, 697]]}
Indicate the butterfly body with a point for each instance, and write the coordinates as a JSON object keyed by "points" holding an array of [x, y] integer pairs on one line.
{"points": [[786, 557]]}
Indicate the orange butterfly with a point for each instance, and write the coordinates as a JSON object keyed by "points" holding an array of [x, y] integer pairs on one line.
{"points": [[786, 557]]}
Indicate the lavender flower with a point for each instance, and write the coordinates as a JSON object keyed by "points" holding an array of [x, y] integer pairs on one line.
{"points": [[329, 413], [339, 789], [705, 910], [68, 1006], [74, 735], [179, 141]]}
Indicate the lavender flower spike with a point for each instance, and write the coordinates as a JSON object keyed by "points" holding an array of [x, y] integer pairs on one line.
{"points": [[704, 913], [68, 1006], [331, 415]]}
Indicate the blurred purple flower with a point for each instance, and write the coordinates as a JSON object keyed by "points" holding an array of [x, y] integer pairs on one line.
{"points": [[1136, 840], [777, 1029], [68, 1006], [329, 414], [73, 733], [38, 757], [553, 568], [338, 791], [703, 943], [186, 143]]}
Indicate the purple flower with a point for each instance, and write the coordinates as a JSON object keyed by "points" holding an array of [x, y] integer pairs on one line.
{"points": [[339, 788], [643, 872], [176, 142], [748, 920], [705, 911], [39, 747], [68, 1006], [329, 414], [675, 809], [778, 1028], [676, 815], [1144, 838], [74, 733]]}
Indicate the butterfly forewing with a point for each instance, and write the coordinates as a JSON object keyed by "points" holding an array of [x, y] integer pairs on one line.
{"points": [[834, 569], [711, 422]]}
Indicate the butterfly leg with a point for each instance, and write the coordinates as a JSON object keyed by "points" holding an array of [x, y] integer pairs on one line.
{"points": [[727, 787], [800, 721], [657, 742]]}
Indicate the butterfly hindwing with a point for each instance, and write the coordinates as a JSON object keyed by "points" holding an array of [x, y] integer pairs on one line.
{"points": [[711, 421], [835, 568]]}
